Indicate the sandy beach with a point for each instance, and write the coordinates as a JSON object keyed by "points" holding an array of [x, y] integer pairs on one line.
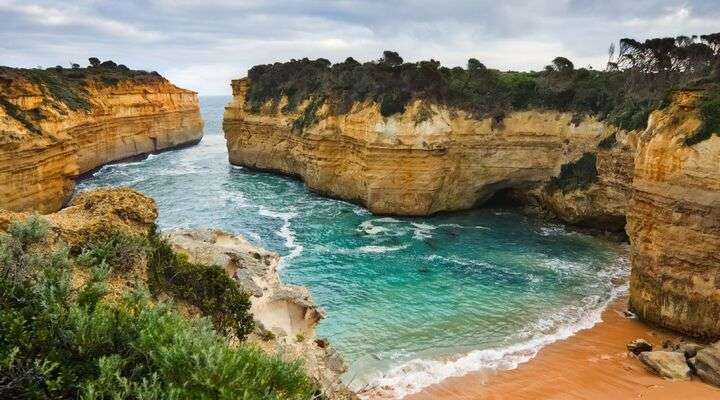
{"points": [[593, 364]]}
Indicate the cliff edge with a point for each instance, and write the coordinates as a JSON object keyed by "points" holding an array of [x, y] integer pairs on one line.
{"points": [[56, 124]]}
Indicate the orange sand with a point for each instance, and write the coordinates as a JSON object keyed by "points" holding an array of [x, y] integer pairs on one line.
{"points": [[593, 364]]}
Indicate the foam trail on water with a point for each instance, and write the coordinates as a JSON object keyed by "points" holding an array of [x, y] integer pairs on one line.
{"points": [[286, 233], [381, 249]]}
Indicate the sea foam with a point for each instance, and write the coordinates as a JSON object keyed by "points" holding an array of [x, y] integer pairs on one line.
{"points": [[412, 376]]}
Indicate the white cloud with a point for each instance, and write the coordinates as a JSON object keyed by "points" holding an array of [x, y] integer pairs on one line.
{"points": [[49, 16], [674, 21], [201, 45]]}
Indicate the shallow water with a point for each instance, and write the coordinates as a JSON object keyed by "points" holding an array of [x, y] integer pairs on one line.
{"points": [[409, 300]]}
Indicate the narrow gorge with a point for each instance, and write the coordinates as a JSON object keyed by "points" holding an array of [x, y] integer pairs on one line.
{"points": [[58, 124]]}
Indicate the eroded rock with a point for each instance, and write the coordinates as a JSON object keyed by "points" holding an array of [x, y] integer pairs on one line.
{"points": [[38, 168]]}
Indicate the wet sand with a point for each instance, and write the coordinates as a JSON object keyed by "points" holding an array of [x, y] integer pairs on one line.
{"points": [[593, 364]]}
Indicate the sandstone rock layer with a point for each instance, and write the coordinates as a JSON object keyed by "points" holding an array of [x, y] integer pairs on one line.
{"points": [[410, 164], [674, 223], [38, 166]]}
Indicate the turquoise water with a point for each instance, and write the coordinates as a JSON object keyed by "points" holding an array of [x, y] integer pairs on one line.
{"points": [[409, 300]]}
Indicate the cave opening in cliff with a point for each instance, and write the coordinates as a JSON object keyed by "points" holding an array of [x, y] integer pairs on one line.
{"points": [[504, 198]]}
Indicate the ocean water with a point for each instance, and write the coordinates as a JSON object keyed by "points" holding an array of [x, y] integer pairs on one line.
{"points": [[410, 301]]}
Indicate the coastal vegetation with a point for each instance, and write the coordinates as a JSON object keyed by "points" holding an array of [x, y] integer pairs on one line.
{"points": [[637, 80], [67, 331]]}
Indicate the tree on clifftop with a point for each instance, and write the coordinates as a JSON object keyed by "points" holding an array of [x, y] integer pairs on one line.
{"points": [[94, 61], [562, 64], [391, 58]]}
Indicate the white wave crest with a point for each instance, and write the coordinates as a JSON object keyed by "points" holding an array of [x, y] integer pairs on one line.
{"points": [[381, 249], [286, 233], [422, 231]]}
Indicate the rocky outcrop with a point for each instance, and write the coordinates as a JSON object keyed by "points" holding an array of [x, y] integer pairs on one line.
{"points": [[45, 143], [674, 223], [95, 214], [431, 158], [285, 315]]}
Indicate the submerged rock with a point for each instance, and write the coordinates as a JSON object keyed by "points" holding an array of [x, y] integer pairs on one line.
{"points": [[638, 346], [668, 364], [707, 364]]}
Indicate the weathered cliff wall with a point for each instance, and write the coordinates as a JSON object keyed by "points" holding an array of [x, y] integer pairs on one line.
{"points": [[427, 159], [45, 144], [674, 223]]}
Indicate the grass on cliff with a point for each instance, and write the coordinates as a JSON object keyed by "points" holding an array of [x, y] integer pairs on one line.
{"points": [[60, 339], [67, 86]]}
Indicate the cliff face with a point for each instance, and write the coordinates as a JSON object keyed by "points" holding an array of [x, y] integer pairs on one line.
{"points": [[425, 160], [45, 144], [674, 224]]}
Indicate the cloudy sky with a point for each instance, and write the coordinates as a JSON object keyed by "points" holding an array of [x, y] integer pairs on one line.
{"points": [[203, 44]]}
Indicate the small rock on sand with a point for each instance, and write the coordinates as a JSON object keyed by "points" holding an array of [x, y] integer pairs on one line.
{"points": [[668, 364], [638, 346]]}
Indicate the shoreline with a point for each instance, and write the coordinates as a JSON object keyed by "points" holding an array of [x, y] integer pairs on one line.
{"points": [[592, 364]]}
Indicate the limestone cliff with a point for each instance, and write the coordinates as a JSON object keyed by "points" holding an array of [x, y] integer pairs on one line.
{"points": [[674, 223], [429, 158], [55, 128]]}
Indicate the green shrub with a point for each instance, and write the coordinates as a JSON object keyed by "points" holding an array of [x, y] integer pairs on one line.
{"points": [[609, 142], [121, 251], [19, 115], [709, 108], [58, 343], [576, 175], [207, 287]]}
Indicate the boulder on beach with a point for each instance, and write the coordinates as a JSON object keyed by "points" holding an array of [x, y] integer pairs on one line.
{"points": [[668, 364], [707, 364]]}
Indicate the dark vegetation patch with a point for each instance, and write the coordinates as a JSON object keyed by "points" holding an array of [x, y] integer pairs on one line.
{"points": [[575, 175], [60, 341], [636, 82], [709, 108], [609, 142]]}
